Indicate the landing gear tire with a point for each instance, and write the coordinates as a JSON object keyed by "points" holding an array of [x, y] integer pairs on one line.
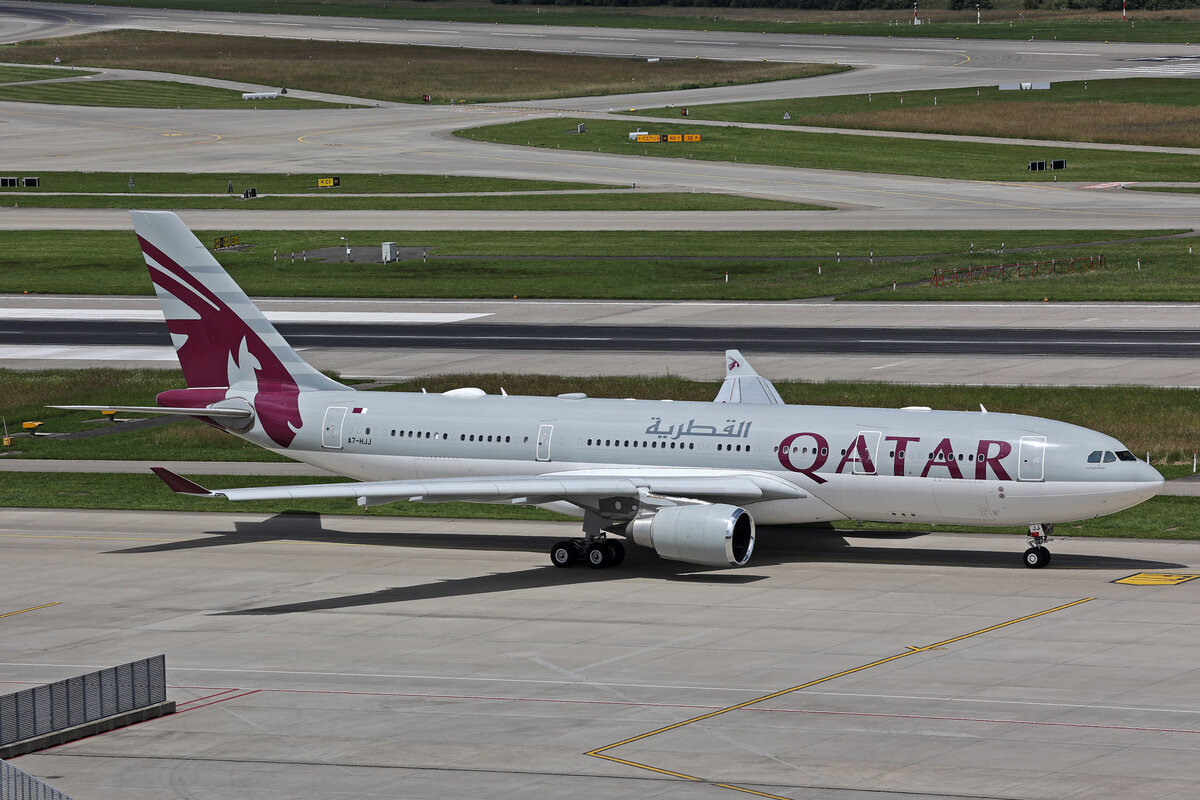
{"points": [[616, 551], [598, 555], [1037, 557], [562, 554]]}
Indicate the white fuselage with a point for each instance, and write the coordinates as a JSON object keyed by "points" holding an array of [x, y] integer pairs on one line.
{"points": [[886, 465]]}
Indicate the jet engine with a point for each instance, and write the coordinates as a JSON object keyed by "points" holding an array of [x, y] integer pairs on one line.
{"points": [[711, 535]]}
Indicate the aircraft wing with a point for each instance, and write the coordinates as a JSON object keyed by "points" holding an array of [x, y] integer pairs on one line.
{"points": [[582, 486]]}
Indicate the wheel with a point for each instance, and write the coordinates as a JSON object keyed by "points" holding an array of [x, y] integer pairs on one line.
{"points": [[597, 555], [562, 554], [1037, 557], [616, 551]]}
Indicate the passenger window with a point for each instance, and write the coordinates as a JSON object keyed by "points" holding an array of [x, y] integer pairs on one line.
{"points": [[1094, 457], [1109, 457]]}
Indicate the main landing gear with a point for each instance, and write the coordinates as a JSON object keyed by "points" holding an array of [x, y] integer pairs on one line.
{"points": [[597, 553], [1037, 556]]}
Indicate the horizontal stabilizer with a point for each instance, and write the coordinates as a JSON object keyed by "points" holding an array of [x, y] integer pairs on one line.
{"points": [[224, 413]]}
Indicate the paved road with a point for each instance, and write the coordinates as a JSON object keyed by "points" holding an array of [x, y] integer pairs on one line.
{"points": [[417, 138], [797, 339], [321, 656]]}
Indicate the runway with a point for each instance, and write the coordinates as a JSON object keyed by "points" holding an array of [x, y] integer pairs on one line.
{"points": [[386, 657], [480, 336], [1087, 344]]}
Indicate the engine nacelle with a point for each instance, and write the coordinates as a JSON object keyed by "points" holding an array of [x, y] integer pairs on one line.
{"points": [[711, 535]]}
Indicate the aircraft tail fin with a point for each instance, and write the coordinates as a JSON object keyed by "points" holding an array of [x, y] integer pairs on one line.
{"points": [[744, 385], [220, 336]]}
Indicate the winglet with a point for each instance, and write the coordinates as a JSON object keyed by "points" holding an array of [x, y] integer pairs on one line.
{"points": [[178, 483], [744, 385]]}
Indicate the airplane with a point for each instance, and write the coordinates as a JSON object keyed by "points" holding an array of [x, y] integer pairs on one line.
{"points": [[690, 480]]}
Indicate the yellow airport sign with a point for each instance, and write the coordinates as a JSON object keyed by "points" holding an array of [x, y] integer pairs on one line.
{"points": [[691, 137], [327, 183], [226, 241], [649, 137], [1156, 579]]}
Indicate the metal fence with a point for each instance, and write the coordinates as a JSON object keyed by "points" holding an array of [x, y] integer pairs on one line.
{"points": [[18, 785], [82, 699]]}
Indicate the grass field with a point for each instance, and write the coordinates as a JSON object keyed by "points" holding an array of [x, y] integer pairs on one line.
{"points": [[897, 156], [1159, 421], [1151, 111], [1009, 20], [629, 264], [396, 72], [608, 201], [10, 74], [145, 94]]}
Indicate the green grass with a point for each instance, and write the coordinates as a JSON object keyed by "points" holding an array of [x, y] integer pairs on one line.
{"points": [[1160, 421], [10, 74], [1153, 111], [297, 183], [146, 94], [875, 154], [626, 264], [624, 201], [1176, 27], [401, 73]]}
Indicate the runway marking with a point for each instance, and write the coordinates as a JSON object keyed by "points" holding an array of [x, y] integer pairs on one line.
{"points": [[156, 315], [601, 752], [1156, 579], [32, 608]]}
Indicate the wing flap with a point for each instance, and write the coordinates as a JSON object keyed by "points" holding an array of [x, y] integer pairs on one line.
{"points": [[228, 413]]}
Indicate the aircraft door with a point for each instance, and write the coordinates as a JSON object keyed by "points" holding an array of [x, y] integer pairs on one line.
{"points": [[868, 451], [331, 434], [543, 442], [1032, 466]]}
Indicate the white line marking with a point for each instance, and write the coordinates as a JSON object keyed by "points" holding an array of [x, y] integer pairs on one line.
{"points": [[430, 30], [1037, 53], [287, 24], [354, 27], [893, 364], [65, 353], [696, 41], [610, 38], [537, 35], [155, 315], [817, 46]]}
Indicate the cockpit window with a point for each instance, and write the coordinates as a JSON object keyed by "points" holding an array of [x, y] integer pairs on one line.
{"points": [[1094, 457], [1109, 457], [1125, 455]]}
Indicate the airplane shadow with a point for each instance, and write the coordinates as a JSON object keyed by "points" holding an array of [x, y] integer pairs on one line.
{"points": [[774, 545]]}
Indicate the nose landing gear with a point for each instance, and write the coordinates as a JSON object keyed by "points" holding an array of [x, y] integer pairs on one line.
{"points": [[1037, 556]]}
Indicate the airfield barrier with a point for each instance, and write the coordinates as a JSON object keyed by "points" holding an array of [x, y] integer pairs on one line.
{"points": [[959, 276], [58, 712], [18, 785]]}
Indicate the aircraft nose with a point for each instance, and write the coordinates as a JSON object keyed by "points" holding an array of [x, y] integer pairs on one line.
{"points": [[1148, 477]]}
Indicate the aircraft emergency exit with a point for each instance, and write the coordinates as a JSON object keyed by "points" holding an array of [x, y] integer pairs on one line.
{"points": [[689, 480]]}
